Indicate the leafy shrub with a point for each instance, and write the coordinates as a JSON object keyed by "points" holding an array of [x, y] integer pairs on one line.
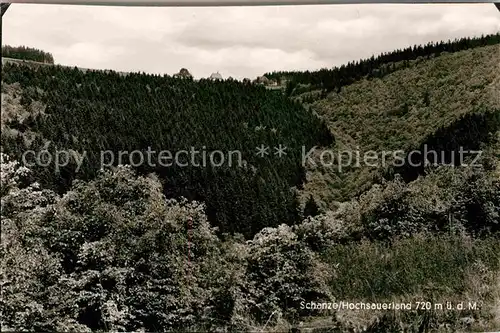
{"points": [[13, 175], [27, 267], [112, 254], [386, 212], [447, 199], [479, 203], [322, 231], [283, 272]]}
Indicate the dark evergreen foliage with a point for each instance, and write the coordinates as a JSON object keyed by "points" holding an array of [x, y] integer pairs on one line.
{"points": [[27, 53], [99, 111], [311, 208], [455, 145]]}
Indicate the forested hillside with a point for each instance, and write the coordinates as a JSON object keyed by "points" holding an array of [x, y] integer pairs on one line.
{"points": [[27, 53], [106, 111], [199, 247], [443, 104], [328, 80]]}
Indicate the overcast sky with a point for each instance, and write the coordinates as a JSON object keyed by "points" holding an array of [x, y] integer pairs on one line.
{"points": [[236, 41]]}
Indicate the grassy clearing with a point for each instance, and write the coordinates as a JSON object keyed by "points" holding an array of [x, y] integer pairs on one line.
{"points": [[436, 269], [438, 264]]}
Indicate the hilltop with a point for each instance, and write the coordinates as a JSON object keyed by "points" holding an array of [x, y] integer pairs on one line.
{"points": [[326, 80], [27, 53]]}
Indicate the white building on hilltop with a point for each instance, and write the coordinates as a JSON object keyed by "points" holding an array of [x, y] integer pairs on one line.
{"points": [[216, 76]]}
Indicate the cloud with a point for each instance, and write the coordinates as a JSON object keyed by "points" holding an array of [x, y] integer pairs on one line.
{"points": [[236, 41]]}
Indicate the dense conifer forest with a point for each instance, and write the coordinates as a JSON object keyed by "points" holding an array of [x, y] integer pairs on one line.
{"points": [[334, 79], [27, 53], [95, 111]]}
